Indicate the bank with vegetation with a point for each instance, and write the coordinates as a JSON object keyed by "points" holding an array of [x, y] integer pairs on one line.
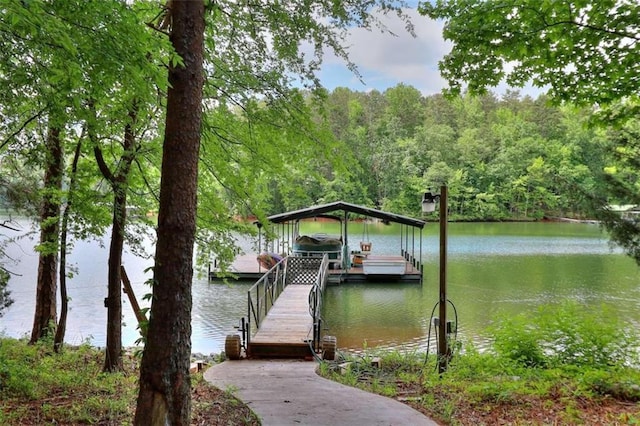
{"points": [[212, 103], [560, 365], [39, 386]]}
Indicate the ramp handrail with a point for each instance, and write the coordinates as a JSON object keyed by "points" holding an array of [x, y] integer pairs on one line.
{"points": [[315, 300], [261, 297]]}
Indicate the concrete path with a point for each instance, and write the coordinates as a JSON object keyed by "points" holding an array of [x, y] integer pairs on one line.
{"points": [[289, 392]]}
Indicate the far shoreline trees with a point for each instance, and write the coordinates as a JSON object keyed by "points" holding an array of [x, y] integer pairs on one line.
{"points": [[504, 157], [585, 53]]}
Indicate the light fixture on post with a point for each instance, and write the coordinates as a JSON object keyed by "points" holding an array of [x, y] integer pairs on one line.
{"points": [[429, 201]]}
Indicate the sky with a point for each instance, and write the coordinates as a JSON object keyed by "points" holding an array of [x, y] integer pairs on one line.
{"points": [[385, 61]]}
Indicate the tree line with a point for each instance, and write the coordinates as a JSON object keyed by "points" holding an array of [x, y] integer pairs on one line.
{"points": [[504, 157]]}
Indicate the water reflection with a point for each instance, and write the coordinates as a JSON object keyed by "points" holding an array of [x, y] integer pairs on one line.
{"points": [[217, 309], [374, 314], [492, 269], [507, 268]]}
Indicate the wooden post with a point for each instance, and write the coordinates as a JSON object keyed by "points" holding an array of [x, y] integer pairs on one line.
{"points": [[126, 287], [443, 344]]}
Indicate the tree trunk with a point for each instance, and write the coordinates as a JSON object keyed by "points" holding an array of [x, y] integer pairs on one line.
{"points": [[119, 184], [45, 312], [165, 394], [64, 308], [113, 350]]}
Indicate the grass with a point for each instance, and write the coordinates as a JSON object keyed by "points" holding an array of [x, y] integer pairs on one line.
{"points": [[38, 386], [482, 389], [527, 378]]}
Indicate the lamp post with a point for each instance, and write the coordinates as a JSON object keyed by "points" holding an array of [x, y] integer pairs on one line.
{"points": [[428, 205]]}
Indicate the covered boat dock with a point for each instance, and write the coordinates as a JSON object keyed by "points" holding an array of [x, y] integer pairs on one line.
{"points": [[347, 265]]}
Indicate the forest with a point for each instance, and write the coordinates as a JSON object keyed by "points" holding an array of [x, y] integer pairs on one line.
{"points": [[185, 117], [503, 157], [275, 148]]}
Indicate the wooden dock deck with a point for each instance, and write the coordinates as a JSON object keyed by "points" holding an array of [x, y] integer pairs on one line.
{"points": [[246, 267], [288, 328]]}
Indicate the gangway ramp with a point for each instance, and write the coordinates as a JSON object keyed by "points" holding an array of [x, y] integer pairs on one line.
{"points": [[287, 331], [283, 313]]}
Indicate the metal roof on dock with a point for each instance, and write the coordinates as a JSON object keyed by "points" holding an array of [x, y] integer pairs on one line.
{"points": [[315, 211]]}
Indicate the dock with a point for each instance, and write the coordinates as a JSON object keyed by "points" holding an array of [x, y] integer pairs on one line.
{"points": [[345, 265], [246, 268], [283, 316], [287, 330]]}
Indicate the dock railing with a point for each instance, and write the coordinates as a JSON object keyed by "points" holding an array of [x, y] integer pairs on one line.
{"points": [[334, 257], [416, 263]]}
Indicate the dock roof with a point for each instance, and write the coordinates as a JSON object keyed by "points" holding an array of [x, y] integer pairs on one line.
{"points": [[316, 211]]}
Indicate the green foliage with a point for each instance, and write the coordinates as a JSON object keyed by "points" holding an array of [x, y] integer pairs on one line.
{"points": [[561, 359], [508, 158], [567, 334], [515, 338], [58, 59], [585, 52], [39, 386], [477, 382], [617, 383], [274, 154], [268, 147], [35, 373], [378, 371], [621, 186], [5, 295]]}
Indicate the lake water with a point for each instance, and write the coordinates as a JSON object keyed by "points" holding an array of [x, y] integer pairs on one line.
{"points": [[492, 267]]}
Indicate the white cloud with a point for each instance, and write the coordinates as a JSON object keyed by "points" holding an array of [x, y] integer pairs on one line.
{"points": [[376, 47], [385, 60]]}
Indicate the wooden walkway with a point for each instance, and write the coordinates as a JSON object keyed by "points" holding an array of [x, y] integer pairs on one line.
{"points": [[246, 267], [288, 328]]}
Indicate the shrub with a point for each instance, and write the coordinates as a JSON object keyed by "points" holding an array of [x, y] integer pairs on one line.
{"points": [[566, 334], [518, 340], [5, 300]]}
